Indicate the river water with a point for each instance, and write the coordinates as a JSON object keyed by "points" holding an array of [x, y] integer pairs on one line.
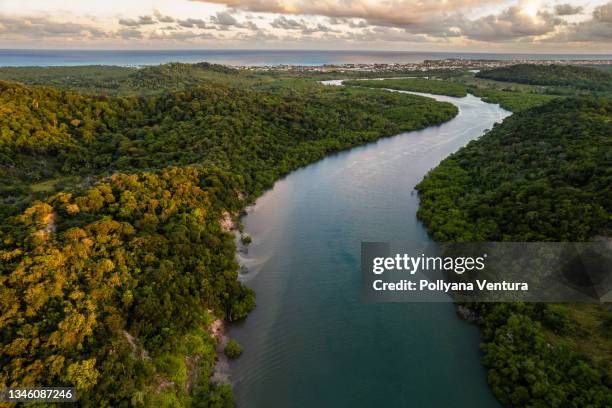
{"points": [[311, 342]]}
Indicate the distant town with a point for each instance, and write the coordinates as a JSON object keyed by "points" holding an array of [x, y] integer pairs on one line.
{"points": [[427, 65]]}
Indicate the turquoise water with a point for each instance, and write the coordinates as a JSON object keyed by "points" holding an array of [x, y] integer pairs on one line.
{"points": [[311, 342], [247, 57]]}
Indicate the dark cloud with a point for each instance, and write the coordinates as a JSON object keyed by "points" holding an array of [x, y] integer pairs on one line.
{"points": [[567, 10], [129, 34], [224, 18], [192, 23], [251, 25], [358, 23], [603, 14], [142, 21], [181, 36], [163, 19], [288, 23], [319, 28]]}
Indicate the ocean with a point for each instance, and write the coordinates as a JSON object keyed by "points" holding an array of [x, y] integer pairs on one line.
{"points": [[16, 58]]}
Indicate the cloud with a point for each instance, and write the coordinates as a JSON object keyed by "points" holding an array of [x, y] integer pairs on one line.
{"points": [[386, 34], [511, 24], [351, 22], [596, 29], [192, 23], [603, 13], [288, 23], [129, 34], [282, 22], [358, 23], [142, 21], [392, 13], [224, 18], [463, 23], [163, 19], [319, 28], [181, 36], [43, 28], [567, 9]]}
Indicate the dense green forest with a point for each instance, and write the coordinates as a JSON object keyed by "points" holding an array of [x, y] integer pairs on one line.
{"points": [[545, 174], [432, 86], [511, 100], [113, 80], [460, 85], [113, 183], [584, 78], [129, 81], [261, 135], [114, 257]]}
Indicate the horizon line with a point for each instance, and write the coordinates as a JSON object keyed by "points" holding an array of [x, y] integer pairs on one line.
{"points": [[609, 53]]}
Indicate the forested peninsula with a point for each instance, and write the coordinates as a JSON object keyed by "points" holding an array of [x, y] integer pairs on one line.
{"points": [[114, 258], [542, 175]]}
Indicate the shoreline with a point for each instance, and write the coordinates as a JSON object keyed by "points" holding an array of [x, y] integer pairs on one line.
{"points": [[240, 249]]}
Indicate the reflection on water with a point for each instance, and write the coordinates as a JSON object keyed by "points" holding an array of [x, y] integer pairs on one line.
{"points": [[311, 342]]}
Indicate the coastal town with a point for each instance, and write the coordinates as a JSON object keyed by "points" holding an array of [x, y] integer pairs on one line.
{"points": [[426, 65]]}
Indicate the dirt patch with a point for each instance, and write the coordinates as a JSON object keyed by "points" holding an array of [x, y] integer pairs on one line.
{"points": [[192, 372], [137, 351], [227, 222], [221, 372]]}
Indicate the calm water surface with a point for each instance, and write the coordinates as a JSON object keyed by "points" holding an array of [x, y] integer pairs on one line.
{"points": [[311, 342], [247, 57]]}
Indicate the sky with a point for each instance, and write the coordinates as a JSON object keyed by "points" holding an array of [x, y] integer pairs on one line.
{"points": [[574, 26]]}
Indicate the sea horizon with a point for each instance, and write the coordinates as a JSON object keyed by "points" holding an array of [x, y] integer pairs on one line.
{"points": [[241, 57]]}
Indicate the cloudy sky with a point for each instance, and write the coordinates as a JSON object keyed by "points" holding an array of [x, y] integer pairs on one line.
{"points": [[434, 25]]}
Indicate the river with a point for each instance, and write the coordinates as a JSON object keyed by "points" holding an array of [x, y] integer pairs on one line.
{"points": [[311, 342]]}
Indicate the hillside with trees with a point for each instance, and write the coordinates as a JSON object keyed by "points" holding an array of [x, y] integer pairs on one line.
{"points": [[259, 134], [114, 257], [582, 78], [460, 85], [543, 175], [432, 86]]}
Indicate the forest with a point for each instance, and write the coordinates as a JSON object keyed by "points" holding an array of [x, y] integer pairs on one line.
{"points": [[459, 85], [114, 258], [438, 87], [545, 174], [577, 77], [113, 183]]}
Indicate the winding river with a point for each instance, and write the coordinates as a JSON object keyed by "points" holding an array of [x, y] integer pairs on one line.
{"points": [[311, 342]]}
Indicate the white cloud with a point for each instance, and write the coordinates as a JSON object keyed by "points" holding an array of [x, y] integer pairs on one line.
{"points": [[407, 23]]}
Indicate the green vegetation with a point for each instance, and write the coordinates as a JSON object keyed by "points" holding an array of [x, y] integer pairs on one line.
{"points": [[125, 81], [433, 86], [87, 78], [583, 78], [114, 257], [260, 135], [543, 175], [232, 349], [509, 98], [512, 101], [91, 280], [114, 182]]}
